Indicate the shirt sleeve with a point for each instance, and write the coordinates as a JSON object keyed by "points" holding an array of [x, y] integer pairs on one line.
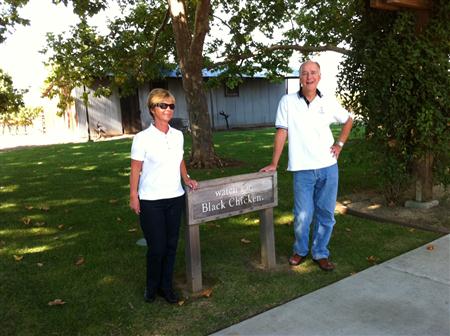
{"points": [[281, 120], [137, 148], [340, 114]]}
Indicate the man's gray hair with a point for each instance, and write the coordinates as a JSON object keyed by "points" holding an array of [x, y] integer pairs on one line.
{"points": [[308, 61]]}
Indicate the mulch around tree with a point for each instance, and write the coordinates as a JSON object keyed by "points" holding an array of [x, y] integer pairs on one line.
{"points": [[373, 206]]}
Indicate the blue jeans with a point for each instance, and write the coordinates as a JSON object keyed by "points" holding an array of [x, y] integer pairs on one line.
{"points": [[315, 193]]}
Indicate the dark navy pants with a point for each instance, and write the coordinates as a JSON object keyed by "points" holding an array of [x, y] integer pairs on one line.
{"points": [[160, 223]]}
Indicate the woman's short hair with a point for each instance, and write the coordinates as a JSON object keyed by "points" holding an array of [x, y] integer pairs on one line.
{"points": [[157, 96]]}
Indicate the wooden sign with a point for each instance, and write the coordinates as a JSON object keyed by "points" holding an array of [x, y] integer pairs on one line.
{"points": [[230, 196], [226, 197]]}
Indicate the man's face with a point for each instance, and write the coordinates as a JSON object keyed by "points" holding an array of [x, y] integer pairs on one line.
{"points": [[310, 76]]}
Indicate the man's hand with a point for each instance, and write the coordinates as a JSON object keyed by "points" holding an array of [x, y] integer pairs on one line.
{"points": [[269, 168], [335, 150]]}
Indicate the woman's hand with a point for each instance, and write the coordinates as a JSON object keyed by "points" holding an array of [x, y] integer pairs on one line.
{"points": [[193, 184], [134, 204]]}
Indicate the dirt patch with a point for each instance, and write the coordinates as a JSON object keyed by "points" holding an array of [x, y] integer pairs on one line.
{"points": [[373, 206]]}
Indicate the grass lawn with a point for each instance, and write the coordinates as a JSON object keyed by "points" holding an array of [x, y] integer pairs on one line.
{"points": [[66, 232]]}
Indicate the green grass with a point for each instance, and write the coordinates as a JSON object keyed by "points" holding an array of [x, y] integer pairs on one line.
{"points": [[76, 199]]}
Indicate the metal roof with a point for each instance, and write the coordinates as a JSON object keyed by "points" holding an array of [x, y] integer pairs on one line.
{"points": [[215, 73]]}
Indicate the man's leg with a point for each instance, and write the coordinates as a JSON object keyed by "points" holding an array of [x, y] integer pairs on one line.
{"points": [[304, 181], [325, 202]]}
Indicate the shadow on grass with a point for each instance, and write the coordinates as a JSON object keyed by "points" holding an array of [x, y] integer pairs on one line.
{"points": [[66, 232]]}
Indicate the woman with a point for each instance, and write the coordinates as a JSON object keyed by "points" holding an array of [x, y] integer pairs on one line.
{"points": [[156, 193]]}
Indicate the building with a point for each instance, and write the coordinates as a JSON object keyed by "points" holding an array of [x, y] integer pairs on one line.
{"points": [[253, 103]]}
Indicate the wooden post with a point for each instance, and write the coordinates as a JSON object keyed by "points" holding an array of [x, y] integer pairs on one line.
{"points": [[267, 237], [193, 258]]}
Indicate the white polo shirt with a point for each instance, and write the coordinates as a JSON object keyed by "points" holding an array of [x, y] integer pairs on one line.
{"points": [[161, 154], [309, 134]]}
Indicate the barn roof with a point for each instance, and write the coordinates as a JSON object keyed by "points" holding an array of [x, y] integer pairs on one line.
{"points": [[215, 73]]}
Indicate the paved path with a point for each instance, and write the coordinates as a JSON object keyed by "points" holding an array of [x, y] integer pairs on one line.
{"points": [[408, 295]]}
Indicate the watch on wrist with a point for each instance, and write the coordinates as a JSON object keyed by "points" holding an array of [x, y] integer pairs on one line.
{"points": [[340, 143]]}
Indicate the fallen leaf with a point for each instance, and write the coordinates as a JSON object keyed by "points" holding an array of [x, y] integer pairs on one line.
{"points": [[80, 261], [40, 264], [29, 207], [132, 230], [112, 201], [26, 220], [430, 247], [207, 293], [372, 259], [18, 257], [56, 302], [348, 229], [119, 219], [181, 302], [39, 224], [245, 241], [412, 230], [61, 226]]}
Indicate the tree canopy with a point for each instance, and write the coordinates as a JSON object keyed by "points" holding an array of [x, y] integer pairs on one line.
{"points": [[395, 79], [235, 37], [11, 99]]}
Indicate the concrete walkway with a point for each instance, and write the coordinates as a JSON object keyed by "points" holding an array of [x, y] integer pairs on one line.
{"points": [[408, 295]]}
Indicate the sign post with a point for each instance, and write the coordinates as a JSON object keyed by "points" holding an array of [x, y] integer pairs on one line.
{"points": [[226, 197]]}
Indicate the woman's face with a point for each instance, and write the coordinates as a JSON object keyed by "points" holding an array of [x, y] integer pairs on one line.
{"points": [[163, 111]]}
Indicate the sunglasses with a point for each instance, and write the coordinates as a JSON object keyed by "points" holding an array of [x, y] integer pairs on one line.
{"points": [[164, 106]]}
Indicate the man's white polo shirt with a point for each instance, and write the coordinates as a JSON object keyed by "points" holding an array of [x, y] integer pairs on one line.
{"points": [[161, 155], [309, 134]]}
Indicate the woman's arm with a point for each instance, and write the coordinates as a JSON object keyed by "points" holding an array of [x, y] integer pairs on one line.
{"points": [[186, 178], [136, 168]]}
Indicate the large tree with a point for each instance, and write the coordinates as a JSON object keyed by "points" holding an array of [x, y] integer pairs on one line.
{"points": [[396, 78], [250, 36]]}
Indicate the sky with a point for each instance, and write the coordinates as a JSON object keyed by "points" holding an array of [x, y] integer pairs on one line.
{"points": [[20, 57]]}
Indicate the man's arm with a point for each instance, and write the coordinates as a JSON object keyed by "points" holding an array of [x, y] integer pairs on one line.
{"points": [[345, 132], [278, 146]]}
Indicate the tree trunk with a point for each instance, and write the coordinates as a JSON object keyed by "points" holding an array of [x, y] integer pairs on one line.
{"points": [[202, 155], [190, 53], [424, 178]]}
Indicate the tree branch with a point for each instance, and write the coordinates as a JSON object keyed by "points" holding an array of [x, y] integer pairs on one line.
{"points": [[160, 29], [201, 27], [275, 47]]}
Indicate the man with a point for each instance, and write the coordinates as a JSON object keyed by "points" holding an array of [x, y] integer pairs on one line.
{"points": [[304, 119]]}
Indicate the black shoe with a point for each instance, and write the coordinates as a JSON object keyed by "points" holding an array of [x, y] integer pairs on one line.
{"points": [[149, 296], [169, 295]]}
